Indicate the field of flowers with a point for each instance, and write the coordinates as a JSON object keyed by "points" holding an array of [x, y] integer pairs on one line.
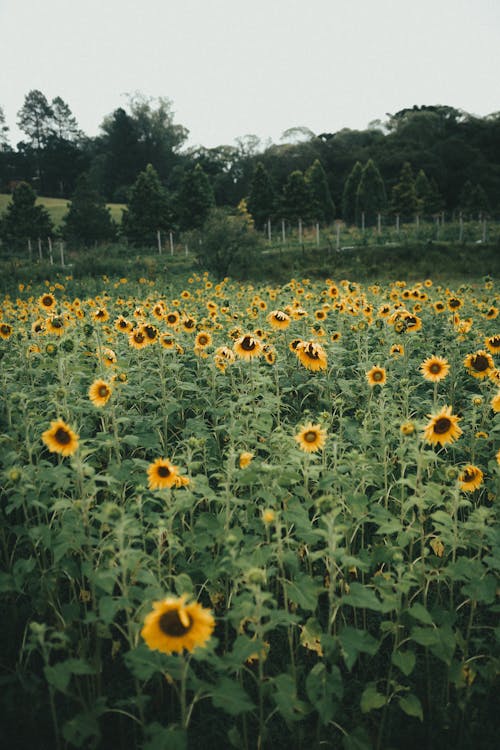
{"points": [[250, 516]]}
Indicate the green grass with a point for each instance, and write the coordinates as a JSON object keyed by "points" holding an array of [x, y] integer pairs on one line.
{"points": [[58, 207]]}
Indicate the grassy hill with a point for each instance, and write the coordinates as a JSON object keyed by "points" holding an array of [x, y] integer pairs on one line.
{"points": [[57, 207]]}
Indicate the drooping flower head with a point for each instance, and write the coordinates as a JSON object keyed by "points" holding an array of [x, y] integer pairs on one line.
{"points": [[174, 626], [470, 478], [311, 355]]}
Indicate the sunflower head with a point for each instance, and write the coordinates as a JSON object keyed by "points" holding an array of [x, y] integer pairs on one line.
{"points": [[174, 626], [60, 438], [470, 478], [100, 392], [479, 364], [434, 369], [247, 346], [442, 427], [376, 376], [162, 474], [311, 438], [245, 459]]}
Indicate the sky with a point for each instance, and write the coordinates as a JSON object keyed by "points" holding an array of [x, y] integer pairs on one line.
{"points": [[234, 67]]}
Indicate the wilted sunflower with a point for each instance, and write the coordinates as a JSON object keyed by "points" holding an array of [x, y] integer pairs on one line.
{"points": [[162, 474], [435, 369], [108, 357], [247, 346], [412, 323], [479, 364], [493, 344], [470, 478], [60, 438], [311, 355], [376, 376], [311, 438], [150, 332], [442, 428], [279, 319], [100, 392], [173, 626]]}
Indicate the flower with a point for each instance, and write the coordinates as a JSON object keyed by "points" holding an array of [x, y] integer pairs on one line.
{"points": [[161, 474], [60, 438], [442, 428], [311, 438], [407, 428], [47, 301], [108, 357], [311, 355], [493, 344], [479, 364], [435, 369], [100, 392], [397, 350], [247, 346], [268, 516], [495, 402], [5, 331], [137, 339], [203, 339], [279, 319], [470, 478], [245, 459], [376, 376], [173, 626]]}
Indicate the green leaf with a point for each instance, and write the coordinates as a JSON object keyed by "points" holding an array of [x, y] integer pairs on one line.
{"points": [[285, 696], [161, 738], [411, 705], [419, 612], [59, 675], [322, 688], [353, 642], [357, 740], [404, 661], [304, 591], [231, 697], [363, 597], [371, 699]]}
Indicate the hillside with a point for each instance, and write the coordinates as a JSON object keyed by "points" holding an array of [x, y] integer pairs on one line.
{"points": [[57, 207]]}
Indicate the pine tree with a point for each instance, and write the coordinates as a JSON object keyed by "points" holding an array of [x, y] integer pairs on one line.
{"points": [[23, 220], [480, 205], [297, 201], [323, 207], [371, 198], [350, 193], [195, 199], [262, 197], [429, 199], [148, 210], [88, 219], [404, 197]]}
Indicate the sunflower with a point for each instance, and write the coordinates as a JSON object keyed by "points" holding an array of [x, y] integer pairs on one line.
{"points": [[495, 403], [100, 392], [454, 303], [397, 350], [311, 355], [47, 302], [479, 364], [407, 428], [247, 346], [245, 459], [498, 456], [137, 339], [189, 324], [5, 331], [161, 474], [101, 315], [442, 428], [439, 306], [493, 344], [311, 438], [492, 313], [279, 319], [55, 325], [60, 438], [335, 336], [203, 339], [412, 323], [172, 318], [376, 376], [37, 326], [435, 369], [167, 341], [108, 357], [150, 332], [122, 324], [173, 626], [470, 478]]}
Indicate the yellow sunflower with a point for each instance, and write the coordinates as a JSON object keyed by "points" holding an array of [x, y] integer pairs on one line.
{"points": [[101, 315], [60, 438], [172, 318], [493, 344], [279, 319], [311, 355], [47, 302], [435, 369], [162, 474], [5, 331], [203, 339], [397, 350], [100, 392], [167, 341], [311, 438], [245, 459], [376, 376], [442, 427], [174, 626], [479, 364], [470, 478], [123, 325], [137, 339], [247, 346], [498, 457], [108, 357], [495, 403]]}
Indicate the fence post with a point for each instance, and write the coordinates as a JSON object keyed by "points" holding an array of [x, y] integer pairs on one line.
{"points": [[269, 236], [317, 234], [49, 242], [300, 231], [283, 233], [397, 223], [40, 248], [363, 221], [29, 249], [158, 239], [61, 250], [379, 223], [338, 236], [171, 243]]}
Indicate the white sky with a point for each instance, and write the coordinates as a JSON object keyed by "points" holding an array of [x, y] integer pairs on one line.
{"points": [[233, 67]]}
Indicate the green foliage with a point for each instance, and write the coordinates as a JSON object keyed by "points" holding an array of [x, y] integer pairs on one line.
{"points": [[429, 200], [349, 195], [262, 196], [195, 199], [474, 202], [297, 198], [228, 245], [404, 201], [88, 220], [323, 207], [148, 210], [23, 219], [371, 198]]}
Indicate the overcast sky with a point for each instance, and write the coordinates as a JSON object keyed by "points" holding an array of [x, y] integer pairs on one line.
{"points": [[233, 67]]}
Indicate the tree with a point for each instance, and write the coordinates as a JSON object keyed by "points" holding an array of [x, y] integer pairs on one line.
{"points": [[297, 201], [23, 220], [323, 207], [122, 159], [371, 198], [262, 197], [228, 245], [404, 197], [35, 119], [88, 219], [64, 124], [349, 194], [195, 199], [474, 202], [159, 137], [148, 210], [4, 129]]}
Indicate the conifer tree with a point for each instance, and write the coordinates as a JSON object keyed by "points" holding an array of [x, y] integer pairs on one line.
{"points": [[297, 201], [262, 197], [88, 219], [23, 220], [195, 199], [404, 197], [148, 209], [323, 207], [350, 193], [429, 199], [371, 198]]}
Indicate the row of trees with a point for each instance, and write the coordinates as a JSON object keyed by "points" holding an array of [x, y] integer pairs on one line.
{"points": [[451, 147]]}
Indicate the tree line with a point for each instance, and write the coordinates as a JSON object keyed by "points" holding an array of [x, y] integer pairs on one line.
{"points": [[420, 162]]}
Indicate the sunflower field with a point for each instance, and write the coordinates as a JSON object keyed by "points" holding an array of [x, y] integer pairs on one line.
{"points": [[248, 516]]}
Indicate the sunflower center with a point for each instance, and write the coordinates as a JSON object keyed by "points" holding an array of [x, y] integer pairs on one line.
{"points": [[103, 391], [150, 332], [435, 368], [495, 341], [442, 426], [171, 624], [248, 344], [47, 301], [139, 338], [5, 329], [480, 363], [468, 475], [62, 436], [171, 318], [310, 436], [454, 303], [189, 323], [312, 352], [202, 340], [378, 376]]}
